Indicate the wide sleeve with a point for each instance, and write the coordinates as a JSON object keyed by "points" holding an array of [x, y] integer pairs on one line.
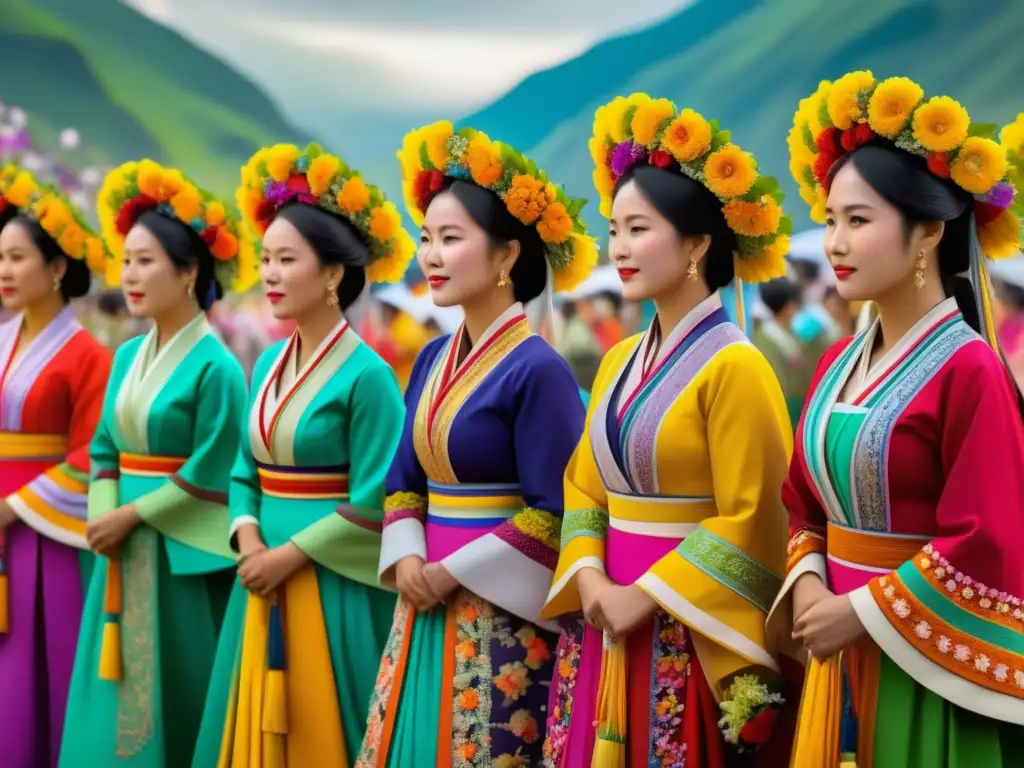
{"points": [[952, 616], [191, 506], [347, 541], [722, 578], [585, 522], [244, 494], [512, 565], [55, 503], [104, 457], [405, 502]]}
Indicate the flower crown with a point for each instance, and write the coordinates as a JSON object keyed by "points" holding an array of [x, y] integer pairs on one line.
{"points": [[283, 173], [137, 187], [435, 152], [840, 117], [638, 129], [55, 214]]}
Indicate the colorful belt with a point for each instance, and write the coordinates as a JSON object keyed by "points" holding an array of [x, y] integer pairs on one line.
{"points": [[872, 549], [304, 482], [670, 517], [34, 447], [144, 465], [465, 505]]}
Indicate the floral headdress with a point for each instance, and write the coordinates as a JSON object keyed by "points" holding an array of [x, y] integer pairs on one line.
{"points": [[856, 109], [1011, 138], [137, 187], [435, 152], [639, 129], [283, 173], [55, 214]]}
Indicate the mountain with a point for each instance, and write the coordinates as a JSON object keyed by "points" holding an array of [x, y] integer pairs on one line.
{"points": [[749, 64], [133, 89]]}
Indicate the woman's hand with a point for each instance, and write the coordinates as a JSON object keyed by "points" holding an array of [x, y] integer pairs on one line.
{"points": [[106, 533], [624, 609], [7, 515], [249, 542], [591, 583], [264, 571], [439, 580], [828, 626], [809, 590], [412, 583]]}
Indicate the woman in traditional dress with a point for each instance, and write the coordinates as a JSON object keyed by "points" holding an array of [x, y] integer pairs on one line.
{"points": [[307, 622], [52, 377], [906, 491], [673, 542], [474, 501], [161, 462]]}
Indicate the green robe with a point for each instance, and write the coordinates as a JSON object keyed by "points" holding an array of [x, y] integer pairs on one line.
{"points": [[185, 400]]}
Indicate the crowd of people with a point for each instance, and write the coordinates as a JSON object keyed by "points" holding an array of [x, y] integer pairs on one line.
{"points": [[496, 519]]}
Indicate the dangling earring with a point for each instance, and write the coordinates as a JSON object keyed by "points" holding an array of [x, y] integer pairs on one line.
{"points": [[332, 296], [56, 284], [919, 274], [504, 281], [191, 291], [691, 271]]}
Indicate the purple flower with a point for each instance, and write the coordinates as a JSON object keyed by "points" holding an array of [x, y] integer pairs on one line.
{"points": [[625, 155], [1000, 196], [278, 193]]}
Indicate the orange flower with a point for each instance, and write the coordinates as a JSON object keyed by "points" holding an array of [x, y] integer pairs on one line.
{"points": [[354, 196], [526, 199], [20, 190], [384, 222], [320, 173], [755, 219], [214, 214], [730, 172], [537, 652], [523, 725], [687, 137], [484, 161], [512, 680], [555, 224], [466, 751], [225, 246], [648, 119], [95, 256], [469, 613], [466, 650], [187, 204], [149, 179], [71, 241], [469, 699]]}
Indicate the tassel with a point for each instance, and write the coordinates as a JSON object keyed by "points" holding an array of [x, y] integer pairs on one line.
{"points": [[275, 702], [110, 649], [610, 746], [5, 626]]}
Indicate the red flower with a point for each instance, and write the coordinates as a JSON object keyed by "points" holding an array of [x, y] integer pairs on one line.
{"points": [[436, 181], [427, 184], [265, 211], [298, 185], [760, 728], [938, 163], [660, 158], [857, 136], [130, 212], [822, 165], [4, 205], [209, 235], [828, 141], [986, 213]]}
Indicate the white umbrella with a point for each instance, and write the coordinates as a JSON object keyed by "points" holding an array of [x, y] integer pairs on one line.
{"points": [[810, 246], [1008, 270], [603, 279]]}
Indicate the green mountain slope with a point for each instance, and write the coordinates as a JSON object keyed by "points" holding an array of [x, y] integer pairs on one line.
{"points": [[133, 88], [750, 67]]}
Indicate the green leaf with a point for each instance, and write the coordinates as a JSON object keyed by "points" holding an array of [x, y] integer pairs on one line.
{"points": [[579, 227], [531, 168], [627, 121], [765, 185], [714, 126], [984, 130], [425, 158], [778, 196], [786, 225], [809, 177], [808, 137], [720, 140], [575, 206], [314, 150]]}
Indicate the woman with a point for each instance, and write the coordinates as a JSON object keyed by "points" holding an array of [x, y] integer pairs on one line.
{"points": [[161, 460], [307, 620], [906, 490], [474, 499], [673, 542], [52, 376]]}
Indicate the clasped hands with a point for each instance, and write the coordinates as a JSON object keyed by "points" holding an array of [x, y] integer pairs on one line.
{"points": [[106, 533], [261, 569], [825, 623], [613, 608], [424, 585]]}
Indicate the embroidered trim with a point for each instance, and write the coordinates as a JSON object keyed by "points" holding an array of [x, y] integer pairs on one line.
{"points": [[986, 602], [536, 549], [670, 674], [804, 542], [963, 655], [567, 664], [471, 702], [404, 504], [592, 522], [541, 525], [731, 567]]}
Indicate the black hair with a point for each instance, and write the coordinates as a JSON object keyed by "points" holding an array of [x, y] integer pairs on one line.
{"points": [[185, 249], [335, 242], [529, 274], [111, 302], [806, 271], [77, 280], [692, 209], [777, 294]]}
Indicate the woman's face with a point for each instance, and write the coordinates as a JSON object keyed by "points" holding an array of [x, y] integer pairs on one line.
{"points": [[455, 254], [646, 249], [25, 277], [292, 276], [151, 283], [865, 240]]}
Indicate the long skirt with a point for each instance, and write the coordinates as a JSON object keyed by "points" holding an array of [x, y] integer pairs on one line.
{"points": [[465, 684], [149, 718], [293, 678]]}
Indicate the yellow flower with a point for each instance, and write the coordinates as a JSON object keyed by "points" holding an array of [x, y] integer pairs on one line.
{"points": [[484, 161], [95, 255], [755, 219], [730, 172], [187, 204], [280, 161], [555, 224], [526, 198], [598, 150], [766, 265], [384, 222], [818, 206], [941, 124], [892, 104], [20, 190], [150, 178], [648, 119], [979, 166], [610, 120], [1012, 135], [1000, 238], [584, 259], [248, 200], [436, 137], [354, 196], [72, 240], [214, 214], [392, 268], [687, 137], [320, 173], [172, 182], [846, 98], [604, 181]]}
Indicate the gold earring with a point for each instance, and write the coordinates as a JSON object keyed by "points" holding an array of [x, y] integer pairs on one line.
{"points": [[919, 274], [191, 291], [56, 284], [691, 271], [332, 296], [504, 281]]}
